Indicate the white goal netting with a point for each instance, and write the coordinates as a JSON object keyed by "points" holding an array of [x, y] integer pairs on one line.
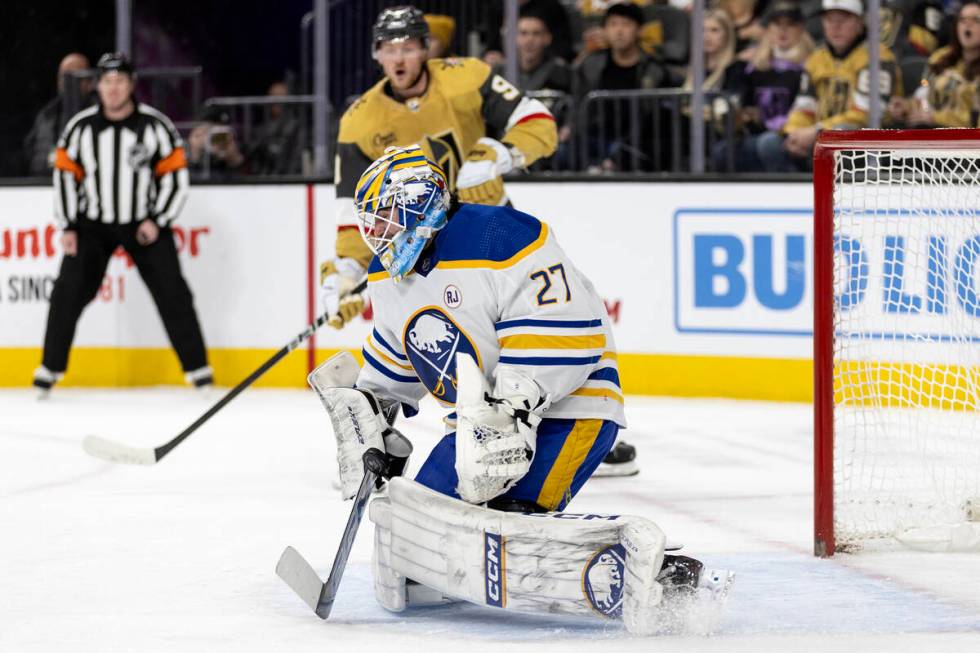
{"points": [[906, 345]]}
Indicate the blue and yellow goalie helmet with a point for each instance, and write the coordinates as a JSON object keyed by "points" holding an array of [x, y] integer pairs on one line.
{"points": [[402, 200]]}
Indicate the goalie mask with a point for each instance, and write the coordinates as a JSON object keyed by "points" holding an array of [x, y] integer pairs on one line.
{"points": [[402, 200]]}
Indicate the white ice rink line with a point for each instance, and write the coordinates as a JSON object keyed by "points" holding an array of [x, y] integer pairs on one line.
{"points": [[180, 556]]}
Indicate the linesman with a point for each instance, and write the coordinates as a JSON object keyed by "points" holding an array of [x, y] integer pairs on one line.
{"points": [[120, 178]]}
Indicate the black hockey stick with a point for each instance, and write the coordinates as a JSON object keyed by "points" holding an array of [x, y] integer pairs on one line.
{"points": [[297, 572], [115, 452]]}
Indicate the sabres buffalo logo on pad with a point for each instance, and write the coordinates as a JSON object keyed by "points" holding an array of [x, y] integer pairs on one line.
{"points": [[432, 341], [602, 580]]}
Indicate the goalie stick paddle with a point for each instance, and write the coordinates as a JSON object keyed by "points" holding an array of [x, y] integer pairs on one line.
{"points": [[297, 572], [116, 452]]}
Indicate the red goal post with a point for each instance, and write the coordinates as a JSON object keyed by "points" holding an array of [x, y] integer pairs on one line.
{"points": [[868, 168]]}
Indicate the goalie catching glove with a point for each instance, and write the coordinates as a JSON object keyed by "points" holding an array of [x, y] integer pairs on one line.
{"points": [[480, 178], [495, 434], [338, 278]]}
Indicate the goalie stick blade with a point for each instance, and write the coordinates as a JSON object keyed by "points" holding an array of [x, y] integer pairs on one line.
{"points": [[114, 452], [299, 575]]}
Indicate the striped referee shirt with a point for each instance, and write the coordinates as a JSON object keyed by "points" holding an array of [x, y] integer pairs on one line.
{"points": [[118, 172]]}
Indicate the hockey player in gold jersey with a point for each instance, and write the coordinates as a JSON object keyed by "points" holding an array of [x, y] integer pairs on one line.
{"points": [[475, 124], [834, 91]]}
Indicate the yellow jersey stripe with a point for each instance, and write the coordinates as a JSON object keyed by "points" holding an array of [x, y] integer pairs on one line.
{"points": [[377, 276], [598, 392], [527, 341], [609, 356], [380, 354], [498, 265], [577, 445]]}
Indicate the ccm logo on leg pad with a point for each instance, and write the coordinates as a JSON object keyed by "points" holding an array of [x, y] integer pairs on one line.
{"points": [[496, 584]]}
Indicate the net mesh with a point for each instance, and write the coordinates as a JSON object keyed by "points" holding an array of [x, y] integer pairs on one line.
{"points": [[906, 342]]}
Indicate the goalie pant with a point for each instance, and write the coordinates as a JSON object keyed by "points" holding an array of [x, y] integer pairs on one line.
{"points": [[545, 563]]}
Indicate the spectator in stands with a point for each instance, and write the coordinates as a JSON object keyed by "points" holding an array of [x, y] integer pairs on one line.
{"points": [[830, 95], [277, 149], [722, 72], [652, 32], [537, 69], [947, 97], [39, 144], [624, 66], [772, 79], [910, 28], [213, 147], [551, 11], [441, 31], [746, 17]]}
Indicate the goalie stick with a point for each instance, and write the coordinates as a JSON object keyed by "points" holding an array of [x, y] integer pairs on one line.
{"points": [[106, 449], [297, 572]]}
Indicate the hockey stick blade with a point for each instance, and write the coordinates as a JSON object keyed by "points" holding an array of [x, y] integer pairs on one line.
{"points": [[299, 575], [114, 452], [297, 572]]}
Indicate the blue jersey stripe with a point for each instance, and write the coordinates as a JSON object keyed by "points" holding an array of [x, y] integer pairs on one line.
{"points": [[542, 360], [555, 324], [384, 370], [606, 374], [381, 341]]}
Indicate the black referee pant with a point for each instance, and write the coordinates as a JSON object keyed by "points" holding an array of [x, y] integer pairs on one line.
{"points": [[81, 277]]}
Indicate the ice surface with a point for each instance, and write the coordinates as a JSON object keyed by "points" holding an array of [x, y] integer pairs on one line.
{"points": [[180, 556]]}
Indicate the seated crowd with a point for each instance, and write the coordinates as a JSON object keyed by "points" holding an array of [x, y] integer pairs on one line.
{"points": [[776, 73]]}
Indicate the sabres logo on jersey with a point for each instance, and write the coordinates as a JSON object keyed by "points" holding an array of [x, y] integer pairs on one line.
{"points": [[432, 340], [602, 580]]}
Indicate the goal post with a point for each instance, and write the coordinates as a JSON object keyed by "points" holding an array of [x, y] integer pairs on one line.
{"points": [[896, 339]]}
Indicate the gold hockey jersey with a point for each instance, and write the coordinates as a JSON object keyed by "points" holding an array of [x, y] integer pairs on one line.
{"points": [[949, 94], [464, 101], [834, 91]]}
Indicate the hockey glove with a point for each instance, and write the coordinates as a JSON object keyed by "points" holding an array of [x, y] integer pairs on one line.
{"points": [[480, 179], [495, 435], [338, 277]]}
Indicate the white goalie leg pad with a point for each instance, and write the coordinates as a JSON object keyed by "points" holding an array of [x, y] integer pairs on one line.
{"points": [[547, 563], [389, 585], [493, 448], [393, 591], [642, 595]]}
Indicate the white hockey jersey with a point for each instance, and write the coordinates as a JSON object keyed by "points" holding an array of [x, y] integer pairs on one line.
{"points": [[497, 286]]}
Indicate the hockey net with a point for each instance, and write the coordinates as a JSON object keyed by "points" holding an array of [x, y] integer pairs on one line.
{"points": [[897, 340]]}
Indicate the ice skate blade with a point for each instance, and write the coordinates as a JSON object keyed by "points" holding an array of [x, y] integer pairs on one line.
{"points": [[610, 470]]}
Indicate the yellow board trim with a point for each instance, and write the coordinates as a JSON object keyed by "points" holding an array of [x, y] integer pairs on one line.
{"points": [[110, 367], [769, 379], [598, 392], [558, 483], [497, 265], [526, 341]]}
